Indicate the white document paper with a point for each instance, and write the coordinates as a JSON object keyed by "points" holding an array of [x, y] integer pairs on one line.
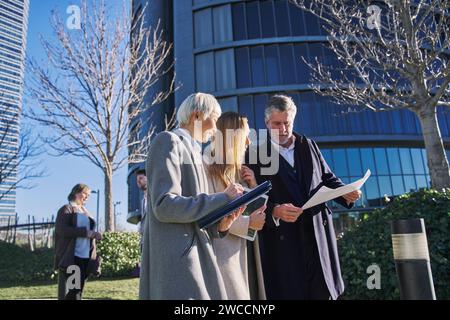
{"points": [[326, 194]]}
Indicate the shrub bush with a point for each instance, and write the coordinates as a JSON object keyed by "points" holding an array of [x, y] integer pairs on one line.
{"points": [[120, 253], [19, 264], [370, 243]]}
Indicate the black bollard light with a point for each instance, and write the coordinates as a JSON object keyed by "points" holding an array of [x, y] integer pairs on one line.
{"points": [[412, 259]]}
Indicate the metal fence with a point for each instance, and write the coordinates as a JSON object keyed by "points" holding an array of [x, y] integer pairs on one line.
{"points": [[32, 234]]}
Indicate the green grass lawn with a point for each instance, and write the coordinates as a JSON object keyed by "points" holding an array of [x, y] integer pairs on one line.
{"points": [[103, 289]]}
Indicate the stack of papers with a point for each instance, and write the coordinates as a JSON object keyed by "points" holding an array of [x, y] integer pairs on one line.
{"points": [[325, 194]]}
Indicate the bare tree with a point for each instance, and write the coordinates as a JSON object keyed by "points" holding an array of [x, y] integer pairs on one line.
{"points": [[392, 55], [139, 141], [96, 84], [19, 163]]}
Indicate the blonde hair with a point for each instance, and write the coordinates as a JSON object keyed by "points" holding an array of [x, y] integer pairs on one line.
{"points": [[198, 102], [230, 151], [78, 188]]}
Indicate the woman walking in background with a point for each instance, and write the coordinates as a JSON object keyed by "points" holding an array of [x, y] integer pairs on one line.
{"points": [[75, 244], [242, 272]]}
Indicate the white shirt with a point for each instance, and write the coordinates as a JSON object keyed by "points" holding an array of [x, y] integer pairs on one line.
{"points": [[288, 155], [82, 245]]}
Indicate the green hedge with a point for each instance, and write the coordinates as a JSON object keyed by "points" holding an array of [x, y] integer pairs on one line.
{"points": [[370, 243], [18, 264], [120, 253]]}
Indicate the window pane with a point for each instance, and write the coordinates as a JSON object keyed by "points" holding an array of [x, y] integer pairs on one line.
{"points": [[273, 69], [442, 120], [259, 103], [297, 25], [307, 108], [315, 52], [421, 181], [253, 24], [405, 159], [330, 59], [381, 161], [394, 161], [396, 118], [425, 160], [267, 17], [197, 2], [225, 77], [246, 109], [311, 23], [326, 153], [345, 180], [282, 18], [204, 71], [287, 64], [203, 28], [222, 24], [372, 188], [385, 185], [397, 184], [354, 162], [239, 28], [410, 183], [417, 161], [228, 104], [340, 162], [257, 66], [243, 67], [303, 70]]}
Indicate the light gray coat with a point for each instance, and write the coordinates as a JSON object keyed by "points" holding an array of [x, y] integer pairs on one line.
{"points": [[231, 252], [178, 259]]}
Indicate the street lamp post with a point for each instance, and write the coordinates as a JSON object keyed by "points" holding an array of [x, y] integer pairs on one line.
{"points": [[98, 206], [115, 217]]}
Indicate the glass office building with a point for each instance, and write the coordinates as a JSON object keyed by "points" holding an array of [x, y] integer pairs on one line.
{"points": [[244, 51], [13, 30]]}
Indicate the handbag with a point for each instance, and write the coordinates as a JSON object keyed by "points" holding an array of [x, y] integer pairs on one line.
{"points": [[95, 266]]}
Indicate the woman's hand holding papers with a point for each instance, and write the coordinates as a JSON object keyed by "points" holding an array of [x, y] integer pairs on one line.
{"points": [[257, 219], [227, 221], [234, 190]]}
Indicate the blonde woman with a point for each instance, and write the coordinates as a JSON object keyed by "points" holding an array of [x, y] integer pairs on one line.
{"points": [[224, 168], [75, 242]]}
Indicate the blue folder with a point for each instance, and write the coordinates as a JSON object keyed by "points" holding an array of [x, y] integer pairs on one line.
{"points": [[235, 204]]}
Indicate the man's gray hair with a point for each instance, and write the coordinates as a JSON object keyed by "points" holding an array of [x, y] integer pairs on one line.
{"points": [[280, 103], [198, 102]]}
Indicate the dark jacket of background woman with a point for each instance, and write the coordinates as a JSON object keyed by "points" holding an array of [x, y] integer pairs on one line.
{"points": [[66, 234]]}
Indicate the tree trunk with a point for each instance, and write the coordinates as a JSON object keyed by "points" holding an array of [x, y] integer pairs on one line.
{"points": [[437, 160], [109, 214]]}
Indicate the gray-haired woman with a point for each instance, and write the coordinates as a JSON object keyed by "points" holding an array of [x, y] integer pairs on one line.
{"points": [[178, 259], [75, 249]]}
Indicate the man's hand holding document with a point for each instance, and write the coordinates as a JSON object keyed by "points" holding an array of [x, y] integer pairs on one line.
{"points": [[325, 194]]}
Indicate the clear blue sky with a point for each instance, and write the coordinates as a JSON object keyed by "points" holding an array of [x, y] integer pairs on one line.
{"points": [[51, 192]]}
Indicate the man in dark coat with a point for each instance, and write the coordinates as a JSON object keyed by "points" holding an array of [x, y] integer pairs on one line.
{"points": [[298, 249]]}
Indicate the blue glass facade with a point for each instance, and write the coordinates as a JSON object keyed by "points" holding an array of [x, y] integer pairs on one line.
{"points": [[244, 51]]}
